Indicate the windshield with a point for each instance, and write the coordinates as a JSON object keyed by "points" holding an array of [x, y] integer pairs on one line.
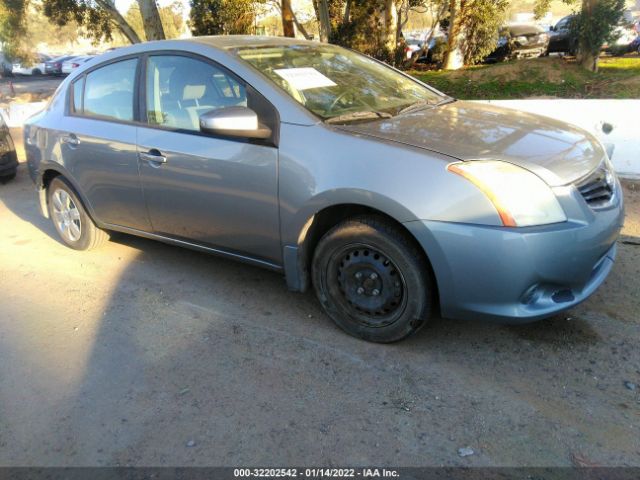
{"points": [[334, 82]]}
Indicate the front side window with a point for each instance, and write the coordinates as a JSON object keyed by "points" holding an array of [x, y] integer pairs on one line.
{"points": [[180, 89], [332, 82], [108, 91]]}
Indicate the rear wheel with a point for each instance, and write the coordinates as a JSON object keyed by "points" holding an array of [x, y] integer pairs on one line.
{"points": [[36, 72], [372, 280], [73, 224]]}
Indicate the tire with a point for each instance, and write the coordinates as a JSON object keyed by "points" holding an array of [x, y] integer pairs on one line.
{"points": [[36, 72], [372, 280], [9, 177], [70, 218]]}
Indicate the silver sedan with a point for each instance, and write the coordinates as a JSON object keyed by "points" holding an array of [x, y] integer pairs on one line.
{"points": [[393, 200]]}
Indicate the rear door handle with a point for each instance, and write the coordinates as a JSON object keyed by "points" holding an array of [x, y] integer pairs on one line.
{"points": [[153, 156], [70, 139]]}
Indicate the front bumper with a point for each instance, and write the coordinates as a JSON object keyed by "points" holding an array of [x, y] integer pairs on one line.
{"points": [[518, 275]]}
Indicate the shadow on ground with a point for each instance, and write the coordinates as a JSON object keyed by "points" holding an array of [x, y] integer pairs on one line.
{"points": [[174, 358]]}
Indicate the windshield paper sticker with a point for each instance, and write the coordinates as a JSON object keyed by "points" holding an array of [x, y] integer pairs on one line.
{"points": [[304, 78]]}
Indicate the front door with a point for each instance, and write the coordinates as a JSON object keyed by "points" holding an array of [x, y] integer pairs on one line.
{"points": [[212, 191]]}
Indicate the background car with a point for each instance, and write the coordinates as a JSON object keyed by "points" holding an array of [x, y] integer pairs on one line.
{"points": [[75, 62], [562, 39], [520, 41], [413, 46], [5, 66], [624, 42], [54, 66], [36, 68], [8, 157]]}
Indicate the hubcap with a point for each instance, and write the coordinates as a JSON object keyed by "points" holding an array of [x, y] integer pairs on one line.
{"points": [[371, 286], [66, 216]]}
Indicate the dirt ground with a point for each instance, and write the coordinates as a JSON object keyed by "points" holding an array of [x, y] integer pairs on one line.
{"points": [[141, 353], [26, 88]]}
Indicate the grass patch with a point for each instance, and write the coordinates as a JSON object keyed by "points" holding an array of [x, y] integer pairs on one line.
{"points": [[619, 77]]}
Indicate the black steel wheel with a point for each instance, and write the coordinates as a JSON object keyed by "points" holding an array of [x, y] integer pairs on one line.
{"points": [[372, 279], [371, 287]]}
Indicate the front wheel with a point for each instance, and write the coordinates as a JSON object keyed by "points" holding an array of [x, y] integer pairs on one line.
{"points": [[372, 280], [73, 224]]}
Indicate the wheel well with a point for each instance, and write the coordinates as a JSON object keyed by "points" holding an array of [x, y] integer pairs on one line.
{"points": [[48, 176], [326, 219]]}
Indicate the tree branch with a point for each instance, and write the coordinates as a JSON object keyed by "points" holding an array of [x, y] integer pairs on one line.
{"points": [[119, 20]]}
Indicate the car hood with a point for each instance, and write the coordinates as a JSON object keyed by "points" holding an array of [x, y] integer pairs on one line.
{"points": [[556, 151]]}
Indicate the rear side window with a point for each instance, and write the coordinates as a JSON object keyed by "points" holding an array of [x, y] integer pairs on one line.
{"points": [[108, 91]]}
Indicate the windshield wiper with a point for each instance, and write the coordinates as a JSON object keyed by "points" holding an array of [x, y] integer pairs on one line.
{"points": [[445, 101], [417, 106], [360, 115]]}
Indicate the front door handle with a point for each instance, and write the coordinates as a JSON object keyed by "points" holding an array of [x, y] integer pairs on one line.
{"points": [[153, 156], [70, 139]]}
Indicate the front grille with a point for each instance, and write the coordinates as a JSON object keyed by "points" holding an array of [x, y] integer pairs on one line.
{"points": [[598, 188]]}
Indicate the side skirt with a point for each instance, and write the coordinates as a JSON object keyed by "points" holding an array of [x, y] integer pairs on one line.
{"points": [[195, 246]]}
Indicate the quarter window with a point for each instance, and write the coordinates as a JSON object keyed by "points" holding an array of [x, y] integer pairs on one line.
{"points": [[108, 91], [77, 95], [180, 89]]}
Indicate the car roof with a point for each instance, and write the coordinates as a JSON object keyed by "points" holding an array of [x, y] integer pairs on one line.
{"points": [[229, 42], [60, 58], [524, 29]]}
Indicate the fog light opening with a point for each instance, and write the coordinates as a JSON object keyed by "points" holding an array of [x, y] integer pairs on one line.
{"points": [[563, 296]]}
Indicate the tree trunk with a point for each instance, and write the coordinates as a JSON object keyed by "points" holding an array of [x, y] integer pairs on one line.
{"points": [[324, 20], [452, 59], [119, 21], [586, 58], [153, 29], [400, 22], [347, 12], [390, 25], [288, 28]]}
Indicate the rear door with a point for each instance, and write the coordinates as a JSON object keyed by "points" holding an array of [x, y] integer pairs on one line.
{"points": [[98, 143], [219, 192]]}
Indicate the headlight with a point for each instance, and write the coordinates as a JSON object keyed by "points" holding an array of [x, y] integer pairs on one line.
{"points": [[521, 39], [521, 198]]}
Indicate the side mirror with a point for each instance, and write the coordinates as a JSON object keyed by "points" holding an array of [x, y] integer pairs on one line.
{"points": [[233, 122], [552, 29]]}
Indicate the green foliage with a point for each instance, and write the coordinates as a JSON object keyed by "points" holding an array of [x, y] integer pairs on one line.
{"points": [[94, 20], [171, 17], [12, 29], [480, 21], [336, 11], [218, 17], [617, 78], [438, 51], [362, 30], [540, 8], [595, 25]]}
